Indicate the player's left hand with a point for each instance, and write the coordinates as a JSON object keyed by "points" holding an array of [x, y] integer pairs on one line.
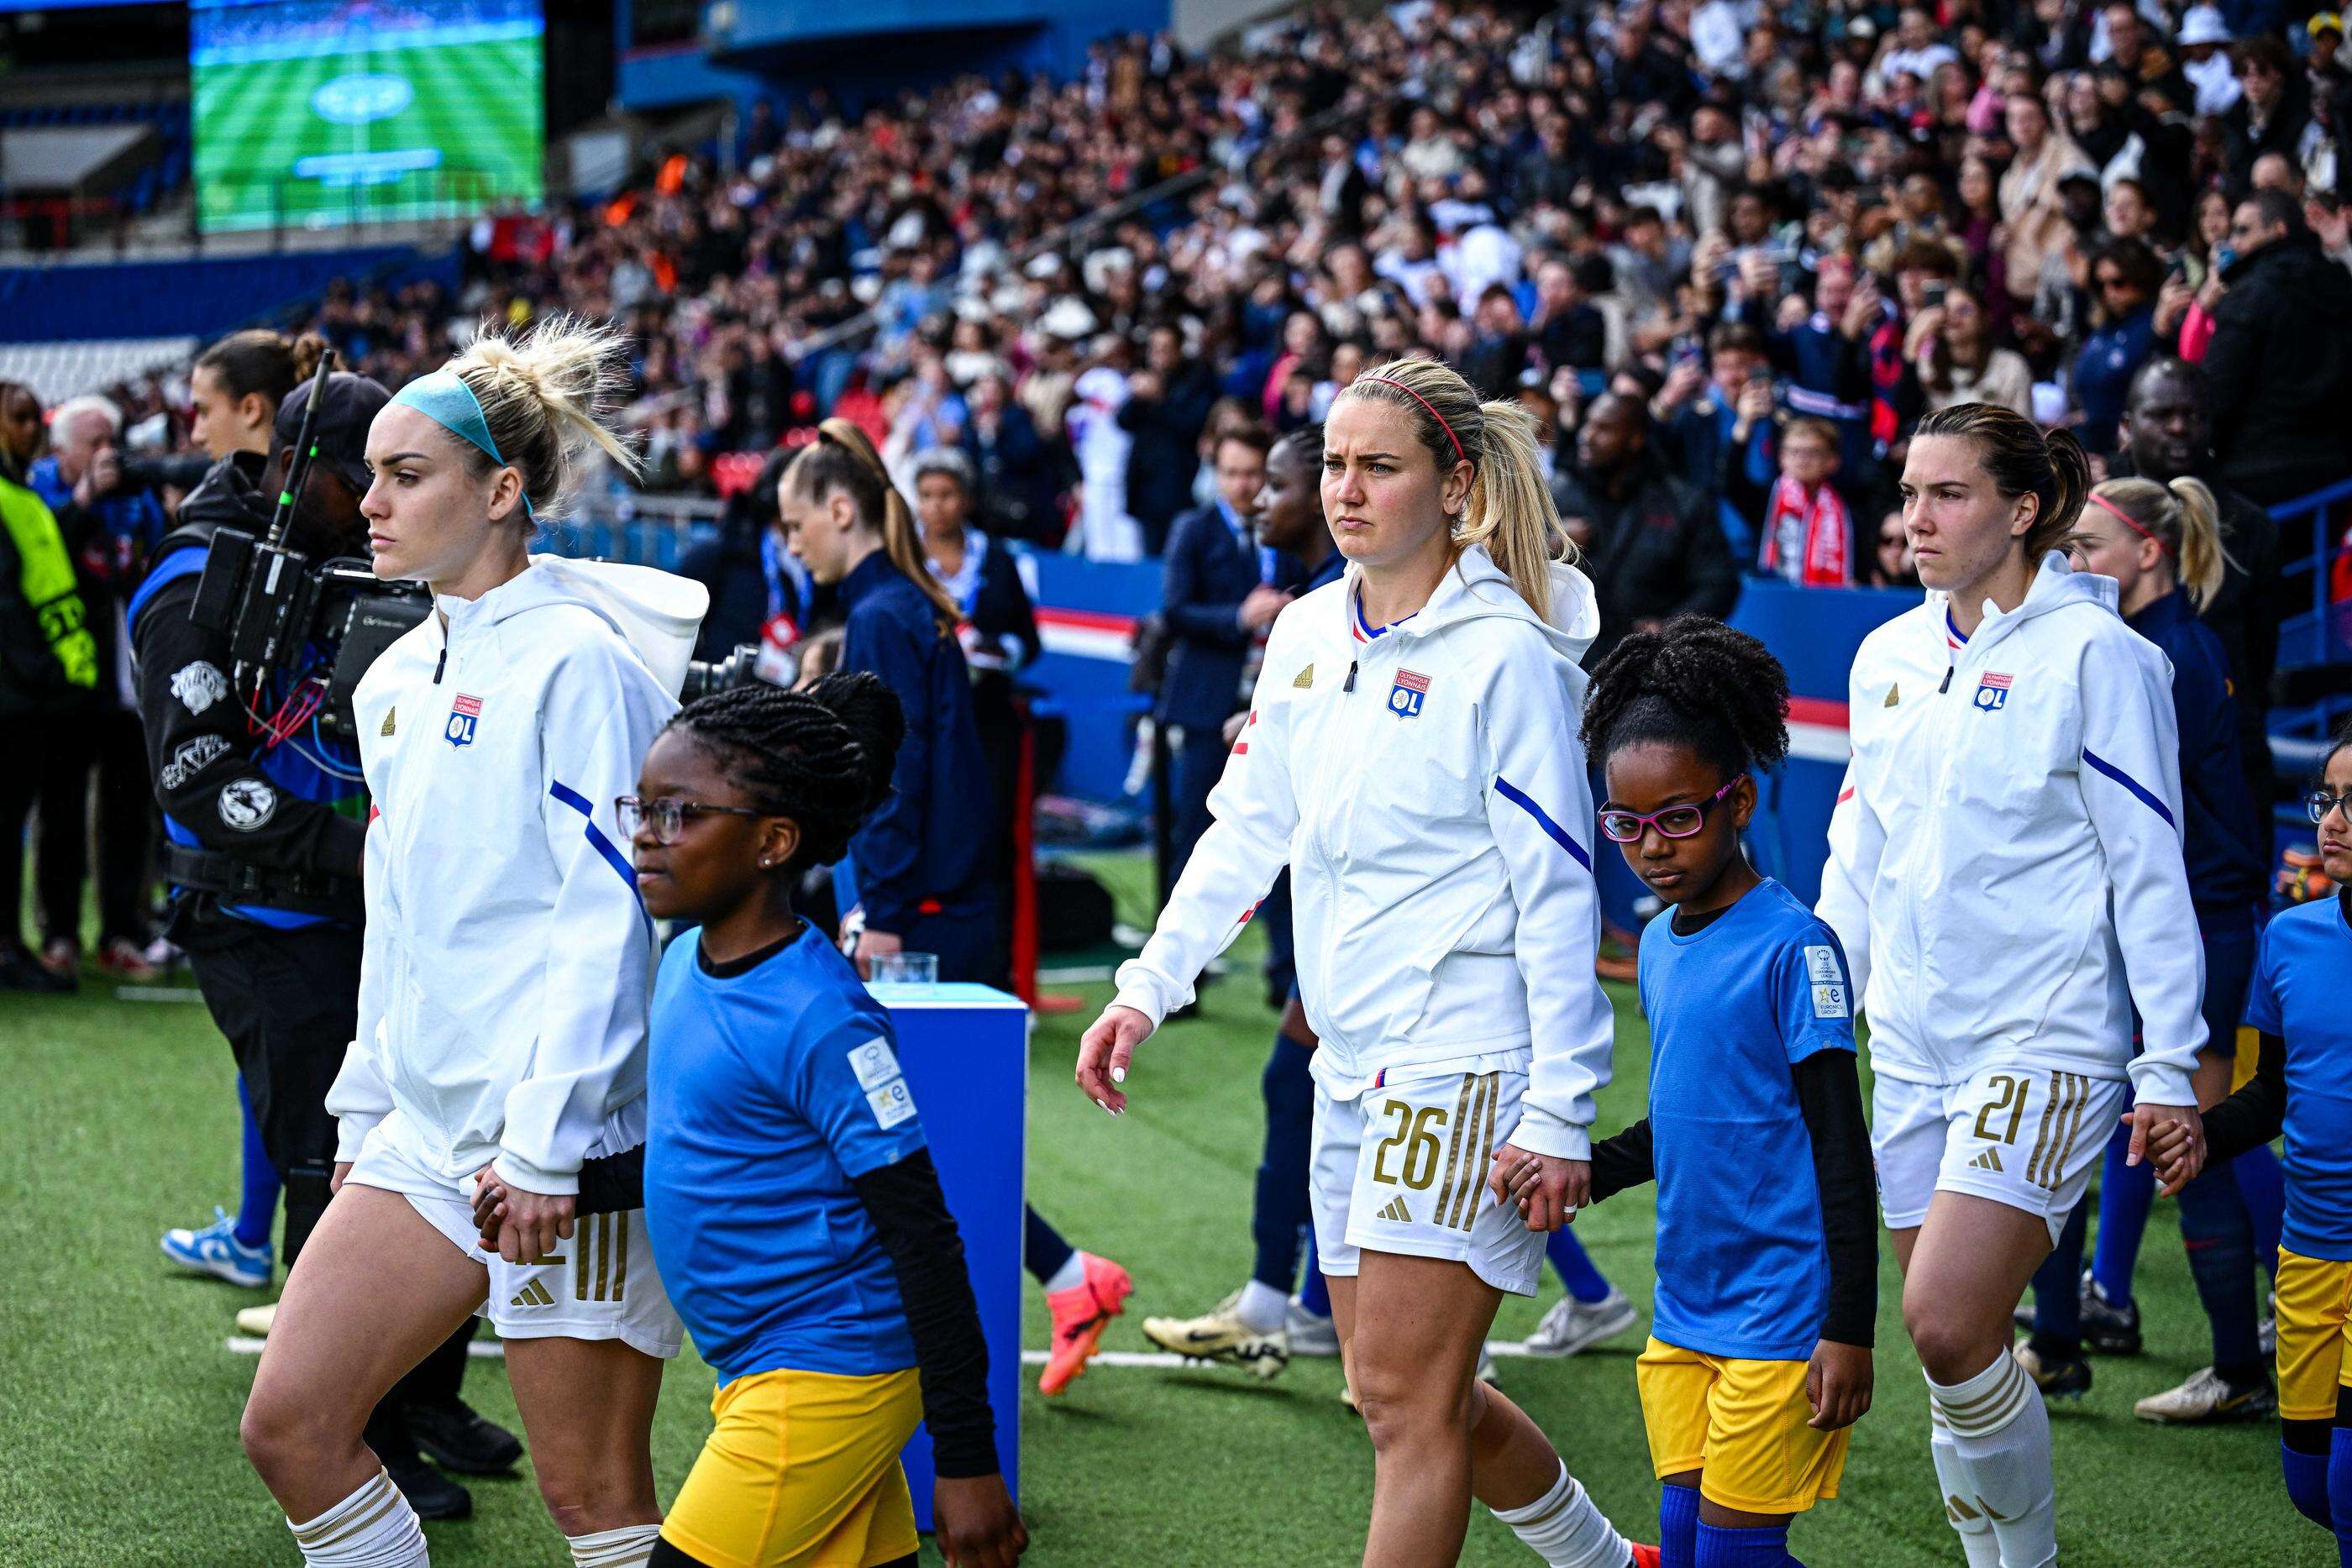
{"points": [[2144, 1119], [1837, 1383], [534, 1223], [489, 1205], [872, 945], [1548, 1191], [978, 1526]]}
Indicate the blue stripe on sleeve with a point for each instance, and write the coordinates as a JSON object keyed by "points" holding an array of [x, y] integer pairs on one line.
{"points": [[1518, 798], [612, 856], [2146, 797]]}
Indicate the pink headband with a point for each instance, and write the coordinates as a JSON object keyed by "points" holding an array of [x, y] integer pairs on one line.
{"points": [[2129, 521], [1459, 454]]}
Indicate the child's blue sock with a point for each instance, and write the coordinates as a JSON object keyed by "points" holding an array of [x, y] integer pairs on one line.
{"points": [[2339, 1489], [1765, 1548], [1678, 1526], [1576, 1270], [258, 1207], [2126, 1195], [1315, 1295], [2306, 1485]]}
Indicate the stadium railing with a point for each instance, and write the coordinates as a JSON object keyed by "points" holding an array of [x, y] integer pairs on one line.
{"points": [[2314, 644]]}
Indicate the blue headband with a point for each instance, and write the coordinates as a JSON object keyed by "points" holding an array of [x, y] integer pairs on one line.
{"points": [[444, 398]]}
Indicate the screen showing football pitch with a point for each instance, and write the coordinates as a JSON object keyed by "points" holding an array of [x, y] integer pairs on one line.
{"points": [[313, 113]]}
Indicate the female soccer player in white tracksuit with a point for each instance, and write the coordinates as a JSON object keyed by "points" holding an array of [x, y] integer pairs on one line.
{"points": [[505, 980], [2006, 876], [1411, 755]]}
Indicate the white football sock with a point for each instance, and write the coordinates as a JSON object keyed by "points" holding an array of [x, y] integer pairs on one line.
{"points": [[2001, 1439], [1976, 1531], [1070, 1275], [1262, 1309], [372, 1528], [1564, 1529], [627, 1547]]}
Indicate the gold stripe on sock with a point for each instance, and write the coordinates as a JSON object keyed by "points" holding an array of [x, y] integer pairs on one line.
{"points": [[334, 1518], [1956, 1412], [369, 1513]]}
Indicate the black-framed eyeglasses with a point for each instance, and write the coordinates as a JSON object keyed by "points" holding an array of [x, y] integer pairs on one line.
{"points": [[1620, 826], [667, 816], [2319, 802]]}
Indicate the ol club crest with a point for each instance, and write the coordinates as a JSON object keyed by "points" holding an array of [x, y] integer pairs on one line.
{"points": [[464, 715], [1992, 693], [1404, 697]]}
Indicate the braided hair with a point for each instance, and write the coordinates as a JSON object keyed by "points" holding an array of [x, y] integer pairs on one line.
{"points": [[1695, 683], [821, 755]]}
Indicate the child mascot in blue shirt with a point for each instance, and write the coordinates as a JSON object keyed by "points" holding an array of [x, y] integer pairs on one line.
{"points": [[1760, 1355], [792, 1202]]}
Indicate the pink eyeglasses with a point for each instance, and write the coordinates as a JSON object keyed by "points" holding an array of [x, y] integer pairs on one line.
{"points": [[1620, 826]]}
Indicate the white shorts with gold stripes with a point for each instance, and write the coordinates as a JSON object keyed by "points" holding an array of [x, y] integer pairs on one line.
{"points": [[600, 1284], [2026, 1136], [1402, 1168]]}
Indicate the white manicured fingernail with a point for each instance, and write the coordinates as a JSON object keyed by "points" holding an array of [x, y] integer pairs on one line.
{"points": [[1119, 1075]]}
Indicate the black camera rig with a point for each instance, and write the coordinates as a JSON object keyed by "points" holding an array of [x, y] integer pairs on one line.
{"points": [[282, 612]]}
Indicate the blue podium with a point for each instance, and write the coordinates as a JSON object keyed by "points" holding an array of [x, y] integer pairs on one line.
{"points": [[965, 1050]]}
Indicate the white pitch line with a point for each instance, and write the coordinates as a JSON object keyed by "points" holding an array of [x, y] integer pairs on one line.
{"points": [[1167, 1359], [494, 1349], [480, 1349], [157, 994]]}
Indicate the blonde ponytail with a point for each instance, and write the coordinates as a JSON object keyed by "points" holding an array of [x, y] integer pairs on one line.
{"points": [[1509, 508], [2185, 522], [843, 458], [2203, 560], [544, 396]]}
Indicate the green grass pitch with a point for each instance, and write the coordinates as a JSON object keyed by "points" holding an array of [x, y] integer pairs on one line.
{"points": [[479, 104], [119, 1404]]}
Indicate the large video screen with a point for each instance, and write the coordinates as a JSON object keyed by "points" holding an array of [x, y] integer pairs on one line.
{"points": [[312, 113]]}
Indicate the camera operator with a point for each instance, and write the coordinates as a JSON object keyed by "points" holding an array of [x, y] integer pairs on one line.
{"points": [[110, 524], [266, 850]]}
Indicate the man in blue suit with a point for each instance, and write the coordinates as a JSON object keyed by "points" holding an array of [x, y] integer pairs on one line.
{"points": [[1220, 592]]}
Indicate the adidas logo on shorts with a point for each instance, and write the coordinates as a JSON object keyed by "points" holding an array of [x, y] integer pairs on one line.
{"points": [[1986, 1160], [532, 1295], [1396, 1213]]}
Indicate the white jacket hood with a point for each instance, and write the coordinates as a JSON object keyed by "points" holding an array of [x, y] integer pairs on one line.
{"points": [[1476, 587], [2056, 585], [657, 613]]}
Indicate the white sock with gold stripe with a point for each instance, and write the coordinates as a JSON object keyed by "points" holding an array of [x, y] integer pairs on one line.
{"points": [[2001, 1437], [1976, 1531], [372, 1528], [1564, 1529], [626, 1547]]}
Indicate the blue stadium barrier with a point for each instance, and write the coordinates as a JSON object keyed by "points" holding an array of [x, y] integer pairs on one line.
{"points": [[171, 299]]}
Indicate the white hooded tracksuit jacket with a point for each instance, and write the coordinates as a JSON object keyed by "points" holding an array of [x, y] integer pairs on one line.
{"points": [[1428, 791], [509, 962], [2007, 831]]}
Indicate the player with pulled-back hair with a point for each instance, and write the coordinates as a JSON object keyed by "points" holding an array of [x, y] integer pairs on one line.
{"points": [[1759, 1357], [2006, 876], [788, 1193], [1412, 756], [503, 983]]}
